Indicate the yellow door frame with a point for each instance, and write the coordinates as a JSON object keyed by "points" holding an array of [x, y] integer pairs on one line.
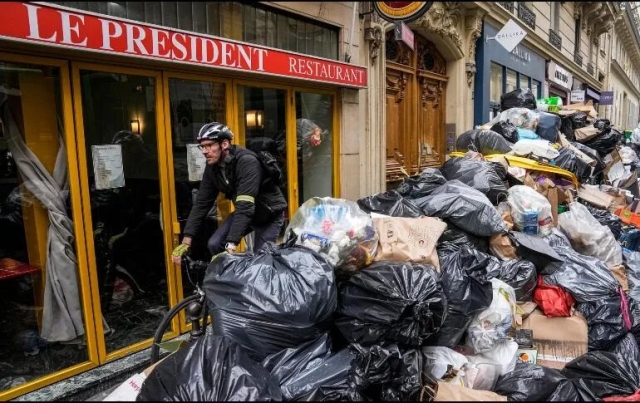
{"points": [[103, 355], [180, 321], [78, 227]]}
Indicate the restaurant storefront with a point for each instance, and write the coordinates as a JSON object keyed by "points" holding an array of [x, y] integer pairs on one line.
{"points": [[98, 169]]}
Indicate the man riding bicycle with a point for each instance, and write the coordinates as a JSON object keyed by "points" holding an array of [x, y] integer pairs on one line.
{"points": [[241, 177]]}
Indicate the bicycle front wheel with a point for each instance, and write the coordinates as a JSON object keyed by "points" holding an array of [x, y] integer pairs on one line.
{"points": [[164, 324]]}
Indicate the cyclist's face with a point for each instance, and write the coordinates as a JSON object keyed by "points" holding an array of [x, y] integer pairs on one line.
{"points": [[211, 151]]}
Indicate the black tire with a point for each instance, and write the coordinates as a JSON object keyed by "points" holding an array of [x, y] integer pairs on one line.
{"points": [[164, 324]]}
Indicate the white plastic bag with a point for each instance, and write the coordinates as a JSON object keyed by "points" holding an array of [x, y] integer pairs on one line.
{"points": [[505, 354], [337, 229], [635, 135], [540, 148], [487, 372], [522, 199], [628, 155], [437, 362], [588, 236], [521, 117], [493, 325]]}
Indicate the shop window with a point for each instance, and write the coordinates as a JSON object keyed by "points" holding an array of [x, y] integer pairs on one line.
{"points": [[249, 22], [121, 139], [524, 81], [41, 327], [314, 139], [511, 82], [535, 88], [496, 82]]}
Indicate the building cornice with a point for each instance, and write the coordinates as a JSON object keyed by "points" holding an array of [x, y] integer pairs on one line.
{"points": [[615, 66], [499, 16], [624, 30]]}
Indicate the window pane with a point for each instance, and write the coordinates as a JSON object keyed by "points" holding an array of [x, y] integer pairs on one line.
{"points": [[524, 81], [199, 17], [301, 43], [282, 41], [511, 81], [249, 24], [185, 20], [535, 88], [309, 39], [213, 18], [169, 14], [314, 133], [292, 34], [261, 26], [272, 31], [152, 12], [135, 10], [496, 82], [120, 118], [192, 104], [39, 333]]}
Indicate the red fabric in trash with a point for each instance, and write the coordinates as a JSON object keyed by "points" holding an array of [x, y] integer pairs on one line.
{"points": [[553, 300], [631, 398]]}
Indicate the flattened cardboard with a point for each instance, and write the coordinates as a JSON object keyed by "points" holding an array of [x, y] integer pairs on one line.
{"points": [[595, 197], [448, 392], [558, 340]]}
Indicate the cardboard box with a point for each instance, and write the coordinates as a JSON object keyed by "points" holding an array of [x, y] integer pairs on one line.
{"points": [[527, 355], [558, 340]]}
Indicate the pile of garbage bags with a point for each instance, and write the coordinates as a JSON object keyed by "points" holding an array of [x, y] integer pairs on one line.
{"points": [[511, 272]]}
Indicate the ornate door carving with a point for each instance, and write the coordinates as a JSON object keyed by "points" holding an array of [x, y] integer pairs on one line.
{"points": [[416, 87]]}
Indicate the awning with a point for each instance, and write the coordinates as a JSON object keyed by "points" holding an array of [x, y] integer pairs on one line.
{"points": [[591, 93]]}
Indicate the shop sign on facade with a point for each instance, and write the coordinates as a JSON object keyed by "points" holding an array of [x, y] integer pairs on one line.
{"points": [[559, 75], [577, 96], [404, 34], [606, 98], [396, 11], [51, 25], [510, 35]]}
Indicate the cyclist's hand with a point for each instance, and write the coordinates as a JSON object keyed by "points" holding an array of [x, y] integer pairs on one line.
{"points": [[180, 250]]}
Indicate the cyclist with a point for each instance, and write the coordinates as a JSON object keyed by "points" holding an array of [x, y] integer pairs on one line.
{"points": [[241, 177]]}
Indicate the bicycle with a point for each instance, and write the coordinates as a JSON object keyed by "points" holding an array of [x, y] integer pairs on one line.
{"points": [[194, 305]]}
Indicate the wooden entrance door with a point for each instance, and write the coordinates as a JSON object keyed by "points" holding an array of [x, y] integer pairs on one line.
{"points": [[415, 108]]}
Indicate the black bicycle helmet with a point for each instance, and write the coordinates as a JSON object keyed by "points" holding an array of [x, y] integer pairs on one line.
{"points": [[214, 131]]}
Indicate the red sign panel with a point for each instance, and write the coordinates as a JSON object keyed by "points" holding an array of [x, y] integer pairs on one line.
{"points": [[46, 24]]}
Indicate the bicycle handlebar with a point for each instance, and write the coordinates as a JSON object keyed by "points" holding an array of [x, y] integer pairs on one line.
{"points": [[193, 265]]}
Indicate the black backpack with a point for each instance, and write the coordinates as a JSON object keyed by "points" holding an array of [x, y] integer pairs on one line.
{"points": [[271, 168]]}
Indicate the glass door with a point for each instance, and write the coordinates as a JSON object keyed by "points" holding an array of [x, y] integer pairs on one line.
{"points": [[262, 123], [123, 175], [46, 326], [192, 101]]}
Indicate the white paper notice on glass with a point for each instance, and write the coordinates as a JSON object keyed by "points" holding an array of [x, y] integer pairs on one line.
{"points": [[195, 162], [107, 166]]}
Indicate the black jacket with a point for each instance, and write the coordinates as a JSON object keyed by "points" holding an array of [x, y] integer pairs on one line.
{"points": [[241, 181]]}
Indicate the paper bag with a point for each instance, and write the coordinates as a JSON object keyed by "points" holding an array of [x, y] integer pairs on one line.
{"points": [[502, 248], [620, 274], [586, 133], [448, 392], [409, 239]]}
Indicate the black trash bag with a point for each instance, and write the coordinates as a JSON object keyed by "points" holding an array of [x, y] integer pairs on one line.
{"points": [[630, 239], [359, 373], [421, 185], [632, 265], [567, 159], [274, 299], [608, 219], [521, 275], [615, 372], [484, 176], [602, 124], [587, 278], [530, 382], [390, 203], [465, 207], [598, 169], [535, 250], [606, 321], [289, 363], [507, 130], [393, 301], [579, 120], [454, 237], [519, 98], [212, 369], [566, 128], [605, 142], [554, 239], [486, 142], [548, 126], [468, 289]]}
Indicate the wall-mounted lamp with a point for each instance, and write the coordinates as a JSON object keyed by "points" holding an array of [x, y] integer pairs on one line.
{"points": [[135, 126], [254, 118]]}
